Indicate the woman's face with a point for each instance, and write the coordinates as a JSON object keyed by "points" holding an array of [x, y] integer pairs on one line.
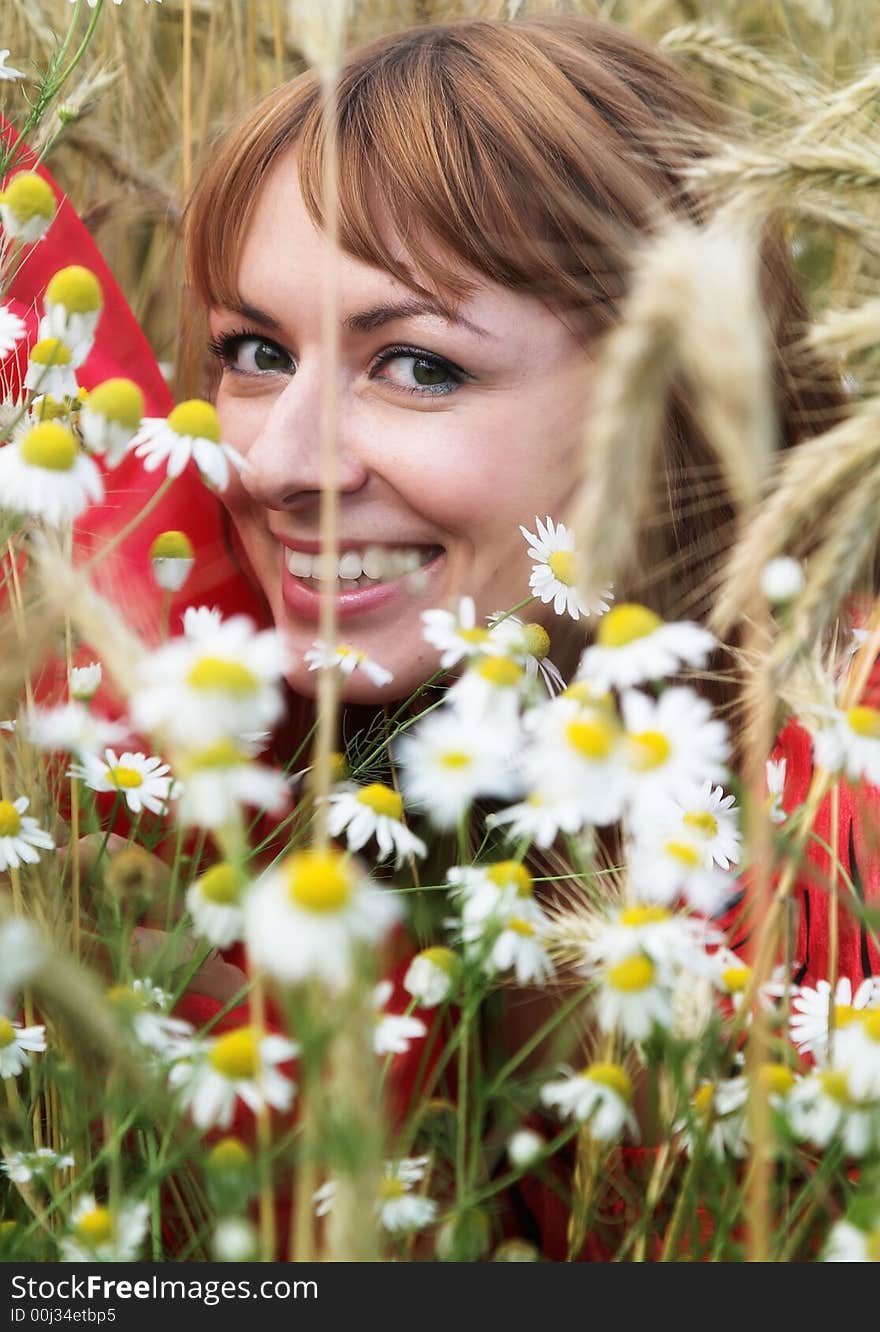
{"points": [[450, 432]]}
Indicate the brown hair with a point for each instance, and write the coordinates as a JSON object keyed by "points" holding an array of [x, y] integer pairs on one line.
{"points": [[532, 152]]}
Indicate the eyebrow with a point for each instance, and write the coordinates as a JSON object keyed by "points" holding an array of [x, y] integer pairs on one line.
{"points": [[366, 321]]}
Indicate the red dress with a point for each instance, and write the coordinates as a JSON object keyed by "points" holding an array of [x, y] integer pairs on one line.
{"points": [[120, 348]]}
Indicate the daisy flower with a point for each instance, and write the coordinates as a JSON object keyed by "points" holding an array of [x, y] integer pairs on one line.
{"points": [[847, 1243], [633, 645], [857, 1052], [718, 1117], [448, 760], [171, 559], [490, 893], [850, 741], [44, 473], [631, 998], [519, 947], [22, 1167], [554, 576], [306, 917], [191, 432], [240, 1065], [493, 685], [398, 1208], [455, 634], [6, 71], [73, 302], [577, 753], [142, 1005], [220, 779], [51, 370], [600, 1097], [216, 903], [540, 818], [21, 837], [27, 207], [393, 1031], [672, 744], [662, 869], [775, 789], [12, 328], [373, 811], [72, 728], [529, 644], [822, 1108], [110, 418], [347, 659], [84, 681], [670, 940], [17, 1043], [432, 976], [811, 1011], [224, 683], [99, 1234], [140, 780], [708, 818]]}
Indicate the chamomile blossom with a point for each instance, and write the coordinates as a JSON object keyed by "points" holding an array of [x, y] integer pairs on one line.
{"points": [[347, 660], [634, 645], [632, 998], [84, 681], [399, 1209], [540, 817], [671, 744], [222, 684], [101, 1234], [671, 940], [811, 1010], [432, 976], [12, 329], [847, 1243], [554, 575], [492, 686], [520, 946], [21, 837], [191, 432], [393, 1031], [529, 644], [447, 760], [72, 303], [44, 473], [306, 917], [775, 772], [577, 751], [171, 560], [110, 418], [51, 369], [215, 901], [27, 207], [490, 893], [664, 868], [376, 811], [143, 1006], [600, 1097], [717, 1117], [142, 781], [456, 634], [220, 778], [849, 741], [239, 1065], [822, 1109], [6, 71], [707, 817], [72, 728], [857, 1052], [22, 1167], [17, 1044]]}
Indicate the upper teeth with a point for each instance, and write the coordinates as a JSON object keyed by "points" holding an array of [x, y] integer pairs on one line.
{"points": [[376, 562]]}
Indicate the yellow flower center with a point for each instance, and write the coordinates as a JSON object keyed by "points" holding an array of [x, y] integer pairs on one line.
{"points": [[564, 567], [76, 288], [118, 400], [455, 758], [865, 721], [7, 1033], [50, 446], [48, 409], [507, 872], [221, 884], [216, 673], [684, 853], [649, 750], [127, 1000], [222, 754], [625, 624], [96, 1227], [613, 1076], [500, 671], [703, 822], [634, 917], [835, 1084], [236, 1055], [10, 819], [391, 1187], [521, 927], [735, 979], [126, 779], [319, 880], [50, 351], [844, 1014], [633, 974], [593, 739], [444, 958], [197, 418], [777, 1079], [871, 1024], [382, 800], [171, 545], [27, 195], [537, 641], [476, 636], [229, 1154], [703, 1100]]}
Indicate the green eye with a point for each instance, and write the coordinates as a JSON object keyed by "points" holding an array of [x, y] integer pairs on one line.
{"points": [[428, 374], [267, 357]]}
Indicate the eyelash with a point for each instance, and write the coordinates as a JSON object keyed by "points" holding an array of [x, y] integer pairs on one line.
{"points": [[226, 345]]}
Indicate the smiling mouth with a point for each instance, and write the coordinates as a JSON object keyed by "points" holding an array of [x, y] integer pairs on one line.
{"points": [[354, 569]]}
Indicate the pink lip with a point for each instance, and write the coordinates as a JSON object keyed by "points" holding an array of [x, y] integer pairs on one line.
{"points": [[305, 602]]}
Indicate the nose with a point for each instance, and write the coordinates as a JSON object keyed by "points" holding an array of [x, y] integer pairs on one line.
{"points": [[284, 468]]}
